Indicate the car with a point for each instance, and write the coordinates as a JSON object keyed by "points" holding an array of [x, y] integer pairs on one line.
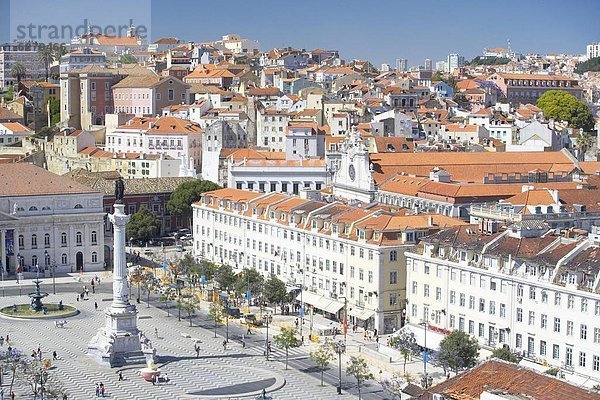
{"points": [[234, 312], [250, 320], [187, 236], [148, 250]]}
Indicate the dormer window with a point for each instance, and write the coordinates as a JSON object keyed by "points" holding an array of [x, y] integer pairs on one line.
{"points": [[282, 216], [272, 214], [441, 252], [572, 279], [361, 234], [254, 211], [538, 210], [334, 230], [314, 224]]}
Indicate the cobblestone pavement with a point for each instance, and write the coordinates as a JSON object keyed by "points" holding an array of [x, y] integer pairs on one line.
{"points": [[217, 373]]}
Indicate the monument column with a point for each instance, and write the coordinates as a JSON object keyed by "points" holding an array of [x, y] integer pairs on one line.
{"points": [[120, 293]]}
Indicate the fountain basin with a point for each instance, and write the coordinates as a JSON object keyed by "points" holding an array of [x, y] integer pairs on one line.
{"points": [[24, 311], [148, 374]]}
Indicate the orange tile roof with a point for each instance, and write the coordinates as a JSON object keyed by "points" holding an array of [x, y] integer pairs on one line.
{"points": [[532, 197], [174, 125], [461, 128], [29, 180], [15, 127]]}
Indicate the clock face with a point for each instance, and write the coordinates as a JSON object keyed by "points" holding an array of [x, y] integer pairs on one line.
{"points": [[351, 172]]}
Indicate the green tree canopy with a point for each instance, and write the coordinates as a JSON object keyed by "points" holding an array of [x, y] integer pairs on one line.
{"points": [[458, 351], [489, 61], [287, 339], [249, 279], [225, 277], [593, 64], [143, 225], [187, 193], [505, 354], [322, 356], [46, 56], [18, 71], [406, 344], [127, 59], [274, 291], [562, 106], [54, 111]]}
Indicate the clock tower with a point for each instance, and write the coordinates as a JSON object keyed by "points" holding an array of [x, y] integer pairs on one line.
{"points": [[353, 179]]}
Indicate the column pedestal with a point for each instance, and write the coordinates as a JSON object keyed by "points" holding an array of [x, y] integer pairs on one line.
{"points": [[120, 342]]}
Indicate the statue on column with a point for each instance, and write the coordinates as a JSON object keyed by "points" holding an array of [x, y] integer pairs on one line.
{"points": [[119, 190]]}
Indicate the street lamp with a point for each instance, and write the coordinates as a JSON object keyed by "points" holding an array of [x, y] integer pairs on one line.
{"points": [[268, 319], [46, 258], [301, 286], [340, 347], [345, 319]]}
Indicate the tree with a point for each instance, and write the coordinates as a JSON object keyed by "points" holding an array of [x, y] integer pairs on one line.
{"points": [[287, 339], [180, 202], [275, 291], [322, 356], [46, 56], [358, 368], [147, 283], [215, 312], [54, 111], [127, 59], [166, 296], [584, 142], [458, 351], [187, 305], [143, 225], [225, 277], [249, 279], [10, 362], [406, 344], [489, 61], [562, 106], [18, 72], [505, 354], [593, 64]]}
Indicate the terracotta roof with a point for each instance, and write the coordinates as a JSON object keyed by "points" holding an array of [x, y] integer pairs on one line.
{"points": [[8, 115], [386, 144], [532, 198], [175, 126], [116, 40], [461, 128], [30, 180], [512, 378], [536, 77], [16, 127], [266, 91], [144, 81]]}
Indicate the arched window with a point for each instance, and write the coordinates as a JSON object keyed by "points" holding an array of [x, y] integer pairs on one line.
{"points": [[33, 208], [47, 260], [94, 257], [94, 237], [34, 260], [78, 206], [63, 239], [45, 208], [63, 259], [34, 241], [78, 238], [21, 242], [47, 240]]}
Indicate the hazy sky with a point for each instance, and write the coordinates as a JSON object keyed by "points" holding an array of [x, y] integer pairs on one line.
{"points": [[378, 30]]}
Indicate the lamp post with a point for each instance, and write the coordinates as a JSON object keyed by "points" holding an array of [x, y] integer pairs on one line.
{"points": [[340, 347], [178, 283], [227, 318], [268, 318], [301, 305], [345, 319]]}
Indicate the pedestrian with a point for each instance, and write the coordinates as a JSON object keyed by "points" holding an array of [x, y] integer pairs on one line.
{"points": [[243, 344], [224, 344], [1, 340], [249, 332], [296, 322], [12, 396], [120, 375], [1, 393], [97, 390], [33, 354], [96, 305], [157, 379], [78, 298], [87, 293], [93, 286], [102, 389], [166, 378], [54, 355], [156, 332], [197, 348], [7, 339]]}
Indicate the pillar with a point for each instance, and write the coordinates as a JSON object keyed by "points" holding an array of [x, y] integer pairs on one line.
{"points": [[120, 293], [3, 252]]}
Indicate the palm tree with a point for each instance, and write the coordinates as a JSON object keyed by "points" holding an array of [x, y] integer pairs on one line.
{"points": [[584, 142], [46, 56], [18, 71], [59, 51]]}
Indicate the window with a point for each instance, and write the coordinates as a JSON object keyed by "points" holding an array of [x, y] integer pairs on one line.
{"points": [[482, 305], [569, 357], [518, 341], [569, 328], [438, 293], [78, 239], [47, 240], [481, 330], [571, 301], [596, 335], [94, 257], [452, 297], [520, 316], [393, 255], [596, 363], [21, 242], [542, 348], [584, 305], [557, 299], [492, 307], [414, 287], [94, 237], [34, 241], [555, 352], [531, 319], [471, 302], [556, 324], [581, 359], [393, 277], [544, 297], [63, 239], [502, 310], [63, 259], [583, 332], [531, 293], [462, 299], [426, 290], [544, 321]]}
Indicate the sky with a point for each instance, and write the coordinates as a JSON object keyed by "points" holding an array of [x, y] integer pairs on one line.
{"points": [[380, 31]]}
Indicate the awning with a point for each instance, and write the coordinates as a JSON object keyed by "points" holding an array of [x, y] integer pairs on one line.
{"points": [[320, 302], [361, 313], [331, 306], [433, 338]]}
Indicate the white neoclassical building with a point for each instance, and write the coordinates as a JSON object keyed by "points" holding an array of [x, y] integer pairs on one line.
{"points": [[345, 257], [49, 221], [525, 288]]}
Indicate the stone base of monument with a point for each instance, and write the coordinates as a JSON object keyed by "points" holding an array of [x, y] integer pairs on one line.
{"points": [[119, 342]]}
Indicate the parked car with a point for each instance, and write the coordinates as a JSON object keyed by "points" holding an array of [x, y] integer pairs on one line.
{"points": [[234, 312], [251, 320]]}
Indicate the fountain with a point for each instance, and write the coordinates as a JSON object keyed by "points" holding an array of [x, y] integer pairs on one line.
{"points": [[36, 298]]}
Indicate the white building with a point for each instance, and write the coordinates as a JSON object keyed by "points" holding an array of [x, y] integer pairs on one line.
{"points": [[49, 221], [238, 45], [173, 137], [454, 61], [346, 258], [593, 50], [524, 288], [13, 132]]}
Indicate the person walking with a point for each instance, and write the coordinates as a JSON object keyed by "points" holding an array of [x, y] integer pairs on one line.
{"points": [[93, 284], [197, 348], [97, 390], [156, 332], [166, 378], [96, 305], [54, 355], [102, 389], [224, 344], [120, 376]]}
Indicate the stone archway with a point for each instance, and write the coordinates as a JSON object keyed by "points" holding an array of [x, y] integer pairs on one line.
{"points": [[79, 261]]}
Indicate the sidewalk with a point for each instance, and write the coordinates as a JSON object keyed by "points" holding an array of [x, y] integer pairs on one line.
{"points": [[83, 278]]}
